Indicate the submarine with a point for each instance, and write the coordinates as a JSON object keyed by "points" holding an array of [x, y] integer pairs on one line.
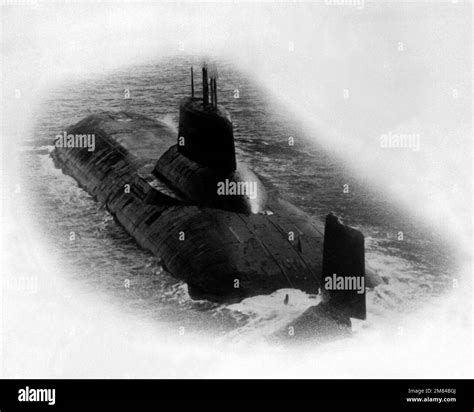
{"points": [[210, 220]]}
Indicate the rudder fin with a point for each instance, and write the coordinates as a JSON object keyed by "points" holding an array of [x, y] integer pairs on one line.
{"points": [[344, 268]]}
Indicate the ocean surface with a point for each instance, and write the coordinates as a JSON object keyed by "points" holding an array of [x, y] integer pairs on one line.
{"points": [[103, 258]]}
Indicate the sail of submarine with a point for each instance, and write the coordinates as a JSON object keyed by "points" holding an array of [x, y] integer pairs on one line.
{"points": [[225, 246]]}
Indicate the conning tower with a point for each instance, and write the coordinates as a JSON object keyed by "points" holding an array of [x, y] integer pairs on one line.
{"points": [[205, 131], [204, 157]]}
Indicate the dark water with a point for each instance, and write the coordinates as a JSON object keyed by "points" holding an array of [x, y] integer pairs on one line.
{"points": [[103, 256]]}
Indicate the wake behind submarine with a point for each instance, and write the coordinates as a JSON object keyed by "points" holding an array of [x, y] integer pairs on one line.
{"points": [[212, 222]]}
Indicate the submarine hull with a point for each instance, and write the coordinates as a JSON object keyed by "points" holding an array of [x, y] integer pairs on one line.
{"points": [[220, 254]]}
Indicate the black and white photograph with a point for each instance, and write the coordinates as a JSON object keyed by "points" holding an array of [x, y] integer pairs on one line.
{"points": [[233, 191]]}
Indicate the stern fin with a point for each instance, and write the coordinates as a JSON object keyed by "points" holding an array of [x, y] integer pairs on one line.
{"points": [[343, 269]]}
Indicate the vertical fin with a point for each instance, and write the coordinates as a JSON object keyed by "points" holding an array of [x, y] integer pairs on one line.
{"points": [[344, 268]]}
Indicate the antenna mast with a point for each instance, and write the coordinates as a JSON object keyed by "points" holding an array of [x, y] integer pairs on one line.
{"points": [[205, 87]]}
